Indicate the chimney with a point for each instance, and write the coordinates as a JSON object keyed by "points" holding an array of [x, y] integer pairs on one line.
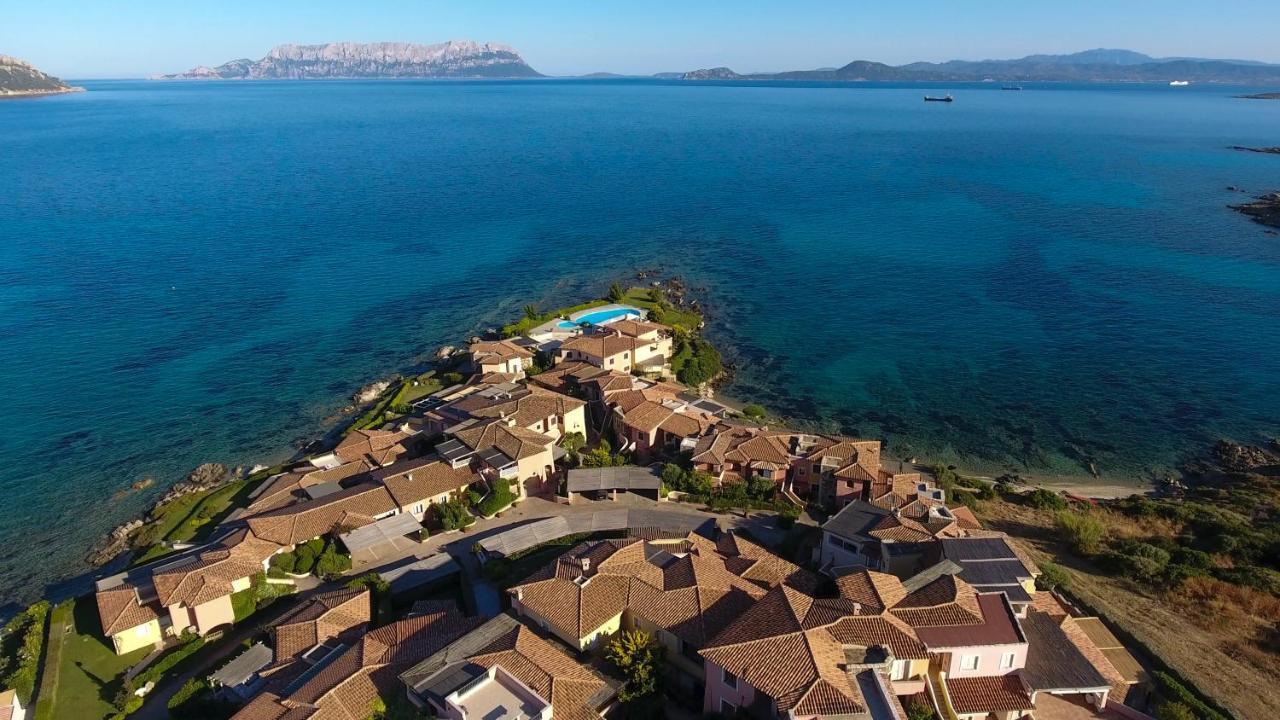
{"points": [[857, 608], [586, 564], [519, 594]]}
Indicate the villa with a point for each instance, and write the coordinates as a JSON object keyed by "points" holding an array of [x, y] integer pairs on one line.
{"points": [[191, 591], [509, 357], [533, 408], [623, 345]]}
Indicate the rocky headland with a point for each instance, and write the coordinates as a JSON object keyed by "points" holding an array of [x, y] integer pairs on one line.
{"points": [[1267, 150], [21, 79], [453, 59], [1261, 96]]}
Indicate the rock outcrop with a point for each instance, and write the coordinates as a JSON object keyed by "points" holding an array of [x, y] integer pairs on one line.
{"points": [[720, 73], [453, 59], [18, 78], [1265, 210]]}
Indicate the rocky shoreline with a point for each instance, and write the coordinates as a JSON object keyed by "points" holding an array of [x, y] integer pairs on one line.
{"points": [[1264, 210], [18, 94], [1266, 150]]}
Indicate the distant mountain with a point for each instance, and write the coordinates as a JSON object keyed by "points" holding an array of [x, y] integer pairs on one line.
{"points": [[1099, 65], [453, 59], [720, 73], [668, 75], [19, 78]]}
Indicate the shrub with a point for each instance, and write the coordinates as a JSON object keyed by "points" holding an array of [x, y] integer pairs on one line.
{"points": [[696, 362], [639, 660], [451, 378], [1252, 576], [753, 411], [1174, 711], [1042, 499], [284, 562], [452, 514], [373, 581], [917, 710], [305, 560], [1175, 693], [23, 640], [332, 563], [501, 497], [1053, 576], [1140, 560], [787, 518], [616, 293], [1083, 530]]}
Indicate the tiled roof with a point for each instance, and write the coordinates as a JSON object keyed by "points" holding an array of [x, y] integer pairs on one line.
{"points": [[119, 609], [528, 409], [603, 345], [319, 618], [208, 577], [416, 480], [638, 328], [879, 631], [284, 489], [379, 447], [998, 626], [1001, 693], [1054, 662], [353, 507], [515, 442], [547, 670], [494, 351], [346, 688]]}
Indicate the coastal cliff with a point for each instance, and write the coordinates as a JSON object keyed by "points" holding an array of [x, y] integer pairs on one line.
{"points": [[18, 79], [453, 59]]}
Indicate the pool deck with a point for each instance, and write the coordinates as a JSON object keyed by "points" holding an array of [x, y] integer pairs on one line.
{"points": [[551, 330]]}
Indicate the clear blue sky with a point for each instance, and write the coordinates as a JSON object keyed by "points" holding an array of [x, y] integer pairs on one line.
{"points": [[134, 38]]}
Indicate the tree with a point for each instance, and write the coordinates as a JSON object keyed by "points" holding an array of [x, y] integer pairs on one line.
{"points": [[616, 293], [572, 443], [1042, 499], [285, 562], [531, 312], [753, 411], [760, 488], [639, 660], [372, 581]]}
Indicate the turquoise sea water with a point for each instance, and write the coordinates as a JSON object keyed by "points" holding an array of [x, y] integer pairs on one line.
{"points": [[195, 272]]}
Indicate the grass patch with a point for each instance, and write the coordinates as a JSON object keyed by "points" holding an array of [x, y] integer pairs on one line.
{"points": [[376, 416], [192, 517], [409, 393], [89, 673], [243, 604]]}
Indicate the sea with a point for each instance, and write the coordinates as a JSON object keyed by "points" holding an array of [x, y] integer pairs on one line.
{"points": [[1046, 282]]}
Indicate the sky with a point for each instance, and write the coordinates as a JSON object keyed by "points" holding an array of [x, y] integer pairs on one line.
{"points": [[135, 38]]}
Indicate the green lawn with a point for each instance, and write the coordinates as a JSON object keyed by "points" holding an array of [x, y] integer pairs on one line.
{"points": [[243, 604], [89, 673], [675, 317], [409, 393]]}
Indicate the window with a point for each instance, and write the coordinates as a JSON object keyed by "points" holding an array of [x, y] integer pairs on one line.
{"points": [[969, 662], [730, 680], [141, 630], [1006, 661], [728, 709], [899, 670], [553, 421]]}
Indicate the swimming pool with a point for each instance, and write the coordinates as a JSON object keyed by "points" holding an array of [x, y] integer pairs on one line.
{"points": [[600, 317]]}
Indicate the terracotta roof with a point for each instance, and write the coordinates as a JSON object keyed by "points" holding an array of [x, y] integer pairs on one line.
{"points": [[998, 626], [1001, 693], [353, 507], [965, 518], [648, 416], [284, 489], [570, 373], [346, 688], [416, 480], [879, 631], [515, 442], [529, 409], [320, 618], [494, 351], [603, 345], [119, 609], [208, 577], [379, 447], [742, 445], [637, 328], [874, 591], [568, 685]]}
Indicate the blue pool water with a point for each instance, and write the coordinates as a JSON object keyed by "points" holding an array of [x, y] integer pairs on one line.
{"points": [[600, 317], [203, 271]]}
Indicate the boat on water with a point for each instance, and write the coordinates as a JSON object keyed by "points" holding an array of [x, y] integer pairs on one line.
{"points": [[1011, 87], [935, 98], [1179, 83]]}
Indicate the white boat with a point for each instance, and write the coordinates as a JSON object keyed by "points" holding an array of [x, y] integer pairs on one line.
{"points": [[1179, 83]]}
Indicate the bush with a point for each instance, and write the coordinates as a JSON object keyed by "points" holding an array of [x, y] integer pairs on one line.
{"points": [[452, 514], [1042, 499], [787, 518], [753, 411], [23, 641], [917, 710], [695, 361], [500, 498], [373, 581], [1052, 576], [188, 644], [1083, 530], [332, 563], [1175, 693], [284, 562], [1139, 560], [189, 690]]}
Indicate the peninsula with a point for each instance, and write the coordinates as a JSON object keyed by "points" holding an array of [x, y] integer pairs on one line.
{"points": [[21, 79], [561, 514], [453, 59]]}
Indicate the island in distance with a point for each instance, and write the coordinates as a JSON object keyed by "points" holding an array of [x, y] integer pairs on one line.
{"points": [[20, 79], [1099, 65], [453, 59]]}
